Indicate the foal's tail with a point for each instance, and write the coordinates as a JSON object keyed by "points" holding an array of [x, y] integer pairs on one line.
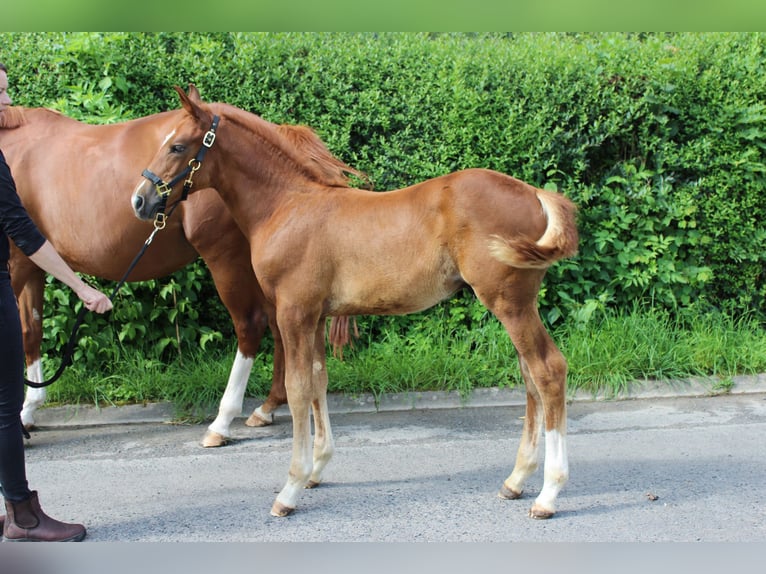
{"points": [[558, 242]]}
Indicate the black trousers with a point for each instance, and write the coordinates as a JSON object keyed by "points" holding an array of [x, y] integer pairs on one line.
{"points": [[13, 478]]}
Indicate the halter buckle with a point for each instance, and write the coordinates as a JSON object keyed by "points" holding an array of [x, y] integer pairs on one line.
{"points": [[160, 220], [163, 189]]}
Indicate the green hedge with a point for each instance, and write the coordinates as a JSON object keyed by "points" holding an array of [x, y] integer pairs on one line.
{"points": [[659, 138]]}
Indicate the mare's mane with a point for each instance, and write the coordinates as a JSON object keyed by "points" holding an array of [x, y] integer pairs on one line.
{"points": [[12, 117], [299, 146], [16, 116]]}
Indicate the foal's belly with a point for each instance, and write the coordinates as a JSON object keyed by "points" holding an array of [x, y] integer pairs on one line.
{"points": [[407, 287]]}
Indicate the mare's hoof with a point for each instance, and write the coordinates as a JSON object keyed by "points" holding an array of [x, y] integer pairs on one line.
{"points": [[508, 494], [540, 513], [312, 484], [258, 419], [213, 439], [280, 510]]}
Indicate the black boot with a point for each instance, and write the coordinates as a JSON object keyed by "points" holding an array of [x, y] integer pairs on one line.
{"points": [[26, 522]]}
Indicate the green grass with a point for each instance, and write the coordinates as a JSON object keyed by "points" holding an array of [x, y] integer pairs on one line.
{"points": [[605, 354], [655, 344]]}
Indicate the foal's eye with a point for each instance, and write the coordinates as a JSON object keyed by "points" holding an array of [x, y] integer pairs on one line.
{"points": [[177, 148]]}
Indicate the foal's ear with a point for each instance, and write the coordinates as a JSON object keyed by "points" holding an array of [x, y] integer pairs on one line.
{"points": [[193, 94], [190, 103]]}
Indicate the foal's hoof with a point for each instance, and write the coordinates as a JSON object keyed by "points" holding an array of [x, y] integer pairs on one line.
{"points": [[213, 439], [312, 484], [259, 419], [508, 493], [280, 510], [540, 513]]}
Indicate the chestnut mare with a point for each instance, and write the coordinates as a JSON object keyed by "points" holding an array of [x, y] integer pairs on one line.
{"points": [[72, 177], [320, 251]]}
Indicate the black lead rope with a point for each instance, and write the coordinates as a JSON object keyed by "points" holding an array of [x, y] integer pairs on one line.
{"points": [[66, 358]]}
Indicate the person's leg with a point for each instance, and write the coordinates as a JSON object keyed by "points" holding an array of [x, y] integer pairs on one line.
{"points": [[13, 480], [25, 520]]}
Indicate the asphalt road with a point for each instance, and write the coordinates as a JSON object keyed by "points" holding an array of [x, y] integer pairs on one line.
{"points": [[678, 469]]}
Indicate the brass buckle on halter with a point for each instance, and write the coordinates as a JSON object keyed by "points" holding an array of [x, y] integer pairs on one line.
{"points": [[163, 189], [209, 138], [159, 221]]}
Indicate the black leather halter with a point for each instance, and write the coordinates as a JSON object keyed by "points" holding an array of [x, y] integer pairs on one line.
{"points": [[164, 189]]}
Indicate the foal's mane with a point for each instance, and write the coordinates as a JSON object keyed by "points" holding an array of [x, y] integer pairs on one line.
{"points": [[298, 145]]}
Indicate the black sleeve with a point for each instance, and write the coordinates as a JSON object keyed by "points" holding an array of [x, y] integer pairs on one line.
{"points": [[14, 219]]}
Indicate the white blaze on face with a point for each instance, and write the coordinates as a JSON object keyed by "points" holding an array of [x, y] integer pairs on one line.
{"points": [[167, 138], [164, 141]]}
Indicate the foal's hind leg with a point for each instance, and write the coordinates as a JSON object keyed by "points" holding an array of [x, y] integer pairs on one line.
{"points": [[324, 445], [527, 455], [544, 369]]}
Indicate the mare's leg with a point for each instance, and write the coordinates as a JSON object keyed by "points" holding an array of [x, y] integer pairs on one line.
{"points": [[249, 325], [324, 445], [251, 313], [514, 302], [264, 414], [212, 232], [298, 332], [28, 284], [218, 433]]}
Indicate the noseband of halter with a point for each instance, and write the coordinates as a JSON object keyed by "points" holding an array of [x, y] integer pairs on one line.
{"points": [[165, 188]]}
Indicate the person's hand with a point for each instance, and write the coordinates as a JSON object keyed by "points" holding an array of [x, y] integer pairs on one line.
{"points": [[95, 300]]}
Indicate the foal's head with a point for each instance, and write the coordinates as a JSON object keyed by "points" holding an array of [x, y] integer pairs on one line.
{"points": [[175, 164], [272, 153]]}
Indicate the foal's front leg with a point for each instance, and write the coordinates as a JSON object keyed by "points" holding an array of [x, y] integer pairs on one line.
{"points": [[300, 463], [299, 350]]}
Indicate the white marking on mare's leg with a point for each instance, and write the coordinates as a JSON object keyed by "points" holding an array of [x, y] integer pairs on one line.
{"points": [[258, 418], [35, 397], [231, 402]]}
